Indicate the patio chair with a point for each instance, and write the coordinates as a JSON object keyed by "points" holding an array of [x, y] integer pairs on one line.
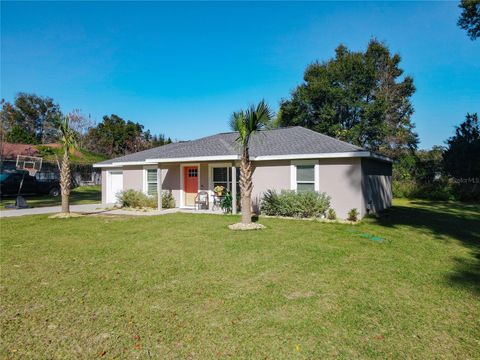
{"points": [[201, 200]]}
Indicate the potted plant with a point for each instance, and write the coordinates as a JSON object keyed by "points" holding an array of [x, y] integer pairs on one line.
{"points": [[218, 190]]}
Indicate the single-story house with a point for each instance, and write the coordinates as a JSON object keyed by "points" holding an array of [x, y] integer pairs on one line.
{"points": [[293, 158]]}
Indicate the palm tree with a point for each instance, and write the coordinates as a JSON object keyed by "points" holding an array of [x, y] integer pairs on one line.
{"points": [[247, 123], [68, 141]]}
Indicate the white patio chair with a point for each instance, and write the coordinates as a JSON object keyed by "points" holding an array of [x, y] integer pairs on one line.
{"points": [[201, 200]]}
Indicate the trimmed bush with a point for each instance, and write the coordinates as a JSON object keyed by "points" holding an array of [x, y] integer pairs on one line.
{"points": [[331, 214], [353, 215], [168, 201], [137, 199], [132, 198], [295, 204]]}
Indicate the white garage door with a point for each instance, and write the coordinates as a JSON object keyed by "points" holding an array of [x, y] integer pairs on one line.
{"points": [[114, 185]]}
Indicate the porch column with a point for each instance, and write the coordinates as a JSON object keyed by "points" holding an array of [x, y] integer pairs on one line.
{"points": [[159, 187], [234, 189]]}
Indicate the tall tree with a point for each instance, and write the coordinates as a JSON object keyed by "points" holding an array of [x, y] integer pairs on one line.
{"points": [[158, 140], [247, 123], [359, 97], [68, 140], [115, 137], [470, 17], [31, 119], [462, 157]]}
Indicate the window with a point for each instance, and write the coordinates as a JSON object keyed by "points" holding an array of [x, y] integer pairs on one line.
{"points": [[152, 182], [222, 177], [305, 177], [193, 172]]}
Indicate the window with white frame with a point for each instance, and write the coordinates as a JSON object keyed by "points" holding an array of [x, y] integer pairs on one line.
{"points": [[222, 176], [151, 182], [305, 177]]}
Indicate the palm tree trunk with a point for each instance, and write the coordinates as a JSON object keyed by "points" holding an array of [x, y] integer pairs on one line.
{"points": [[65, 183], [246, 186]]}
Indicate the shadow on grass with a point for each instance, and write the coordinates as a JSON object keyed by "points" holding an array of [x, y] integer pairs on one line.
{"points": [[444, 219], [88, 194]]}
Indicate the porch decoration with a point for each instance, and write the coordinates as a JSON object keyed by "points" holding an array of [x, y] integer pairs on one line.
{"points": [[218, 190]]}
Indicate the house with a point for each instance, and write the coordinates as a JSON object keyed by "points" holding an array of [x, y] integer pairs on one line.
{"points": [[292, 158]]}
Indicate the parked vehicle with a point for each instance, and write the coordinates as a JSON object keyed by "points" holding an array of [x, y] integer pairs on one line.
{"points": [[40, 184]]}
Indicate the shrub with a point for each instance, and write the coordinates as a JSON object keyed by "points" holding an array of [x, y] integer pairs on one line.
{"points": [[137, 199], [353, 215], [411, 189], [168, 201], [227, 203], [403, 188], [295, 204], [331, 214], [132, 198]]}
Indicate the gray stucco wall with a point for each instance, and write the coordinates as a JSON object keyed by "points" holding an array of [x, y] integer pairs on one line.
{"points": [[269, 175], [171, 180], [376, 185], [341, 179], [133, 178], [204, 176]]}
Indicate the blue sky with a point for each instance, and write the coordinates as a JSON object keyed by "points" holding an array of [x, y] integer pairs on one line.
{"points": [[182, 68]]}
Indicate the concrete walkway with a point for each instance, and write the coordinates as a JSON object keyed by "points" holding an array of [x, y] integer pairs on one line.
{"points": [[99, 208]]}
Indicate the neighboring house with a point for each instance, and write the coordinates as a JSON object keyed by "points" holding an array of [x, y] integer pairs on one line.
{"points": [[291, 158], [10, 151]]}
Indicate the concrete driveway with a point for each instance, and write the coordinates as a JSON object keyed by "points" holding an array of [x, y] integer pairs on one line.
{"points": [[50, 209]]}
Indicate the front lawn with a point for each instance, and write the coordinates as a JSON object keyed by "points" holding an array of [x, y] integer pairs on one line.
{"points": [[79, 195], [184, 286]]}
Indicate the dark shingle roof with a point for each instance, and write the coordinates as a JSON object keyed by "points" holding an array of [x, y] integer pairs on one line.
{"points": [[283, 141]]}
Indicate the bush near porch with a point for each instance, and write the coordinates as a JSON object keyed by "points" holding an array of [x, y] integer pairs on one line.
{"points": [[136, 199]]}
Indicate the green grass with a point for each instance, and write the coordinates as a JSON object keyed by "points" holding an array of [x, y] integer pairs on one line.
{"points": [[80, 195], [184, 286]]}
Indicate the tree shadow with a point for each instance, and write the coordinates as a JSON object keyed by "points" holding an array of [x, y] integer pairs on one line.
{"points": [[89, 194], [445, 221]]}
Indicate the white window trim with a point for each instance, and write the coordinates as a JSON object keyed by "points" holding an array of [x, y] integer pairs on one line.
{"points": [[182, 183], [293, 173], [145, 177], [210, 175]]}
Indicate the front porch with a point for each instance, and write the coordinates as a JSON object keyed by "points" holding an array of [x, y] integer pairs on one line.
{"points": [[187, 180]]}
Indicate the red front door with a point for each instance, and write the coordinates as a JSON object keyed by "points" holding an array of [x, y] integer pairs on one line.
{"points": [[190, 181]]}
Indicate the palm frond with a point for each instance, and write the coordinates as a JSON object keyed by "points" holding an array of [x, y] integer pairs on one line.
{"points": [[249, 121], [68, 137]]}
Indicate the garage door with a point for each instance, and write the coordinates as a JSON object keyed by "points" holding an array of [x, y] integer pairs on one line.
{"points": [[114, 186]]}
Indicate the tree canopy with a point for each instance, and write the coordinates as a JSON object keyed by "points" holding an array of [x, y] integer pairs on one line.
{"points": [[470, 17], [31, 119], [359, 97], [462, 157], [115, 137]]}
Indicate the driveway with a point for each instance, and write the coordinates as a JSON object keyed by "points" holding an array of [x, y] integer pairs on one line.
{"points": [[50, 209]]}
